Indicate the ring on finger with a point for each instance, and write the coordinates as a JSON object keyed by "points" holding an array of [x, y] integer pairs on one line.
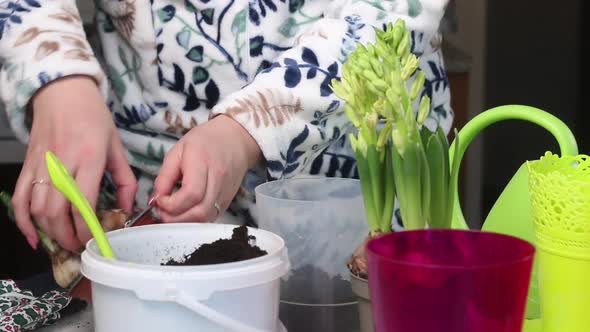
{"points": [[217, 208], [39, 181]]}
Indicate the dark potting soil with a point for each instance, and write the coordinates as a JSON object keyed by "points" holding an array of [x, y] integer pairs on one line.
{"points": [[240, 247], [304, 293]]}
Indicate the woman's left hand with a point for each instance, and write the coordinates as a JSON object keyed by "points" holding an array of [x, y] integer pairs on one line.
{"points": [[210, 161]]}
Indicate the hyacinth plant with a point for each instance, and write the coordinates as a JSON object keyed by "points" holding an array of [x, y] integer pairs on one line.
{"points": [[397, 156]]}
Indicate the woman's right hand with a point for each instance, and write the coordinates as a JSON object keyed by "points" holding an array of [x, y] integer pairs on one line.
{"points": [[70, 119]]}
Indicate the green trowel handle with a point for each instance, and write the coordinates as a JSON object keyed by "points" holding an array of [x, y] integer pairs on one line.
{"points": [[563, 135]]}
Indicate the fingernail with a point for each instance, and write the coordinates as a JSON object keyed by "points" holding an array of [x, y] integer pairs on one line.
{"points": [[32, 242]]}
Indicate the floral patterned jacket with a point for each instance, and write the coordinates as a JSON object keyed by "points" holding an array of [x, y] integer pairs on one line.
{"points": [[165, 66]]}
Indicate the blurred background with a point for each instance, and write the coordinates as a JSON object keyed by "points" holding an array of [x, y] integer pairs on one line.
{"points": [[497, 52]]}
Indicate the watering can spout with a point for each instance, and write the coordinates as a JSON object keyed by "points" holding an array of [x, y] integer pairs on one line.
{"points": [[511, 214]]}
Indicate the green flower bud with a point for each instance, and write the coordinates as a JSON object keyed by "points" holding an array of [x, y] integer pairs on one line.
{"points": [[377, 67], [398, 140], [368, 74], [338, 89], [384, 135], [352, 115], [423, 109], [417, 85], [410, 67]]}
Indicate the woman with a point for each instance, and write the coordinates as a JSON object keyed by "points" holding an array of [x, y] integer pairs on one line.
{"points": [[215, 95]]}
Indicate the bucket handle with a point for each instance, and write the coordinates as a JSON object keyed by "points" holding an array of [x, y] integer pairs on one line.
{"points": [[561, 132], [215, 316]]}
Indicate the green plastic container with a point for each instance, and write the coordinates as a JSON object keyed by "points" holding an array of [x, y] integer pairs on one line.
{"points": [[511, 214], [560, 200]]}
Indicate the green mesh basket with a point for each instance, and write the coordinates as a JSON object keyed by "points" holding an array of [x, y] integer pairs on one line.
{"points": [[560, 203]]}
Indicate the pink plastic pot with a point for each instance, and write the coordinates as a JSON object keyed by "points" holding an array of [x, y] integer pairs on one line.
{"points": [[448, 280]]}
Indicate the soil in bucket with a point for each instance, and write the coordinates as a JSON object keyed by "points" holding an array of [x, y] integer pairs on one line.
{"points": [[239, 247]]}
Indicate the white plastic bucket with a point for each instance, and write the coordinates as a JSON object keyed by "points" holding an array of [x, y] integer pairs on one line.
{"points": [[135, 293]]}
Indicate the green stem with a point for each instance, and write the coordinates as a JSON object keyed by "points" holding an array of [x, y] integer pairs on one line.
{"points": [[366, 188], [377, 182], [387, 215]]}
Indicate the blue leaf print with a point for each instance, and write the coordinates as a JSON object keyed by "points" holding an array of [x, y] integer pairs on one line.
{"points": [[167, 13], [17, 7], [292, 153], [208, 15], [253, 16], [178, 78], [292, 76], [192, 101], [195, 54], [333, 106], [290, 62], [15, 19], [434, 68], [311, 73], [325, 89], [183, 38], [33, 3], [44, 78], [274, 165], [441, 111], [189, 6], [212, 94], [200, 75], [289, 162], [333, 69], [256, 45], [133, 116], [1, 29], [264, 65], [262, 6], [309, 57], [270, 5], [414, 8], [294, 5]]}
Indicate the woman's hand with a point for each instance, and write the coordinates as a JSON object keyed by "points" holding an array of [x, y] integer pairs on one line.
{"points": [[70, 119], [210, 161]]}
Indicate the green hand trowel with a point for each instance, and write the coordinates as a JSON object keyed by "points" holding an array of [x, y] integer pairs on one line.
{"points": [[511, 214], [65, 183]]}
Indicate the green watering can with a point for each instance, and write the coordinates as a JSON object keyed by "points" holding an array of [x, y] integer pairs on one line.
{"points": [[511, 214]]}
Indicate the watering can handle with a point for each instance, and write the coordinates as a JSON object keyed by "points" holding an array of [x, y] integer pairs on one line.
{"points": [[563, 135]]}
